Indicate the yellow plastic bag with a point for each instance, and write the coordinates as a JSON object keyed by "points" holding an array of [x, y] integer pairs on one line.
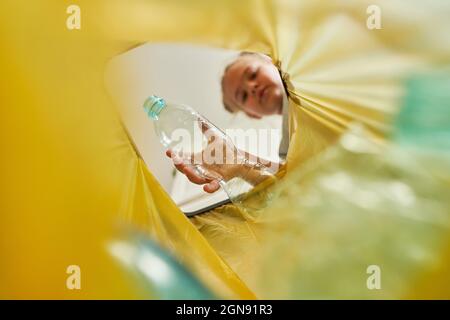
{"points": [[361, 221], [69, 169]]}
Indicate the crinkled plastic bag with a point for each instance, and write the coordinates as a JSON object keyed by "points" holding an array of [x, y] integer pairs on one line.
{"points": [[360, 221]]}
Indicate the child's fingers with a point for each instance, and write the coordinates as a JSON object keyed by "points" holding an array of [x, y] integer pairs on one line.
{"points": [[177, 161], [193, 176], [212, 186]]}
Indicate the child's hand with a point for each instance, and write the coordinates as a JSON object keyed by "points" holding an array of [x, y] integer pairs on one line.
{"points": [[210, 185]]}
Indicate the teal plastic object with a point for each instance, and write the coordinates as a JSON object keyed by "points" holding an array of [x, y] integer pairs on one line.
{"points": [[424, 119], [153, 106], [157, 273]]}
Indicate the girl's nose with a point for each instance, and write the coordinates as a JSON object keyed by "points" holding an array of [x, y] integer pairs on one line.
{"points": [[253, 86]]}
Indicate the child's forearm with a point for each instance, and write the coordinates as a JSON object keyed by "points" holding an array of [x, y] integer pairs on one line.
{"points": [[250, 167], [270, 165]]}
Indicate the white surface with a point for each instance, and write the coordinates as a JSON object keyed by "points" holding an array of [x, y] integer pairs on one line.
{"points": [[182, 74]]}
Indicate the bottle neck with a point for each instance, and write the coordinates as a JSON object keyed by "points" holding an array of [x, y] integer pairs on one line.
{"points": [[153, 106]]}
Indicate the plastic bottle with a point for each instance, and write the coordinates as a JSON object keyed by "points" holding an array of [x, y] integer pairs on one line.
{"points": [[210, 152]]}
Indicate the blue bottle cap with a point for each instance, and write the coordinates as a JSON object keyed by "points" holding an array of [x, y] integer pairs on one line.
{"points": [[153, 106]]}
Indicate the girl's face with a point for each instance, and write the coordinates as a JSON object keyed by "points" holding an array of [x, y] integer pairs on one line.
{"points": [[253, 85]]}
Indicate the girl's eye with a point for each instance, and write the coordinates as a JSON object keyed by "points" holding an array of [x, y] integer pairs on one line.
{"points": [[253, 75]]}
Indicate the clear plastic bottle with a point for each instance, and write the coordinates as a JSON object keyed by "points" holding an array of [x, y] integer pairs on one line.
{"points": [[196, 142]]}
